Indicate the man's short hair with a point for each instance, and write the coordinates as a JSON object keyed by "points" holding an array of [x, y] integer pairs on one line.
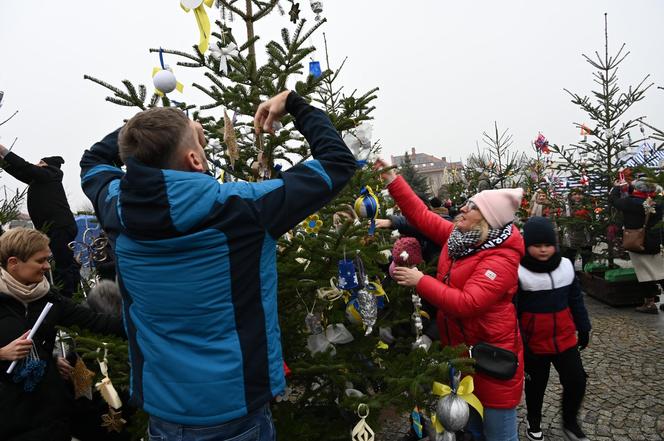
{"points": [[21, 243], [153, 136]]}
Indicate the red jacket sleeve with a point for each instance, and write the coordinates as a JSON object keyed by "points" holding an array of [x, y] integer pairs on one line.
{"points": [[493, 277], [425, 221]]}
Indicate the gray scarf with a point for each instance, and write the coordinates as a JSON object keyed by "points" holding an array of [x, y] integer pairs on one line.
{"points": [[464, 244]]}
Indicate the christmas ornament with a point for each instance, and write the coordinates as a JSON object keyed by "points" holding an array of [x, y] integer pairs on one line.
{"points": [[347, 276], [105, 387], [452, 410], [412, 249], [113, 420], [317, 7], [330, 294], [232, 148], [32, 333], [223, 54], [362, 431], [82, 377], [367, 206], [314, 69], [31, 371], [368, 309], [294, 12], [312, 224], [202, 20], [163, 78], [334, 334], [585, 181], [358, 141], [542, 144]]}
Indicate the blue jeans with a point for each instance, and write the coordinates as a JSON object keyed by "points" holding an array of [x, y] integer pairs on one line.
{"points": [[498, 425], [256, 426]]}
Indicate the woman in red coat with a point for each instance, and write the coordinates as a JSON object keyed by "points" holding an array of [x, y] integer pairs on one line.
{"points": [[473, 289]]}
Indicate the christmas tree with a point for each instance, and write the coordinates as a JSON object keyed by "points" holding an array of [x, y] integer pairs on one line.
{"points": [[11, 204], [417, 182], [595, 162], [333, 365]]}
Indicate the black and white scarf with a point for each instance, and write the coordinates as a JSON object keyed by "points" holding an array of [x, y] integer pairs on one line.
{"points": [[464, 244]]}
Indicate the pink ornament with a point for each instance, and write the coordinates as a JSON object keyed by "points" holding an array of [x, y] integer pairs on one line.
{"points": [[407, 252], [542, 144]]}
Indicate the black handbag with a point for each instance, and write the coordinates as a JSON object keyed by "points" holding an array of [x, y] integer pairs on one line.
{"points": [[494, 361]]}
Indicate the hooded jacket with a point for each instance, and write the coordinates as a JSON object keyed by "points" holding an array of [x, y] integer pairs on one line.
{"points": [[47, 201], [475, 301], [196, 263]]}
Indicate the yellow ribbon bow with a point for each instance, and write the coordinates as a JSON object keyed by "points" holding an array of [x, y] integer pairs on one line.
{"points": [[464, 391], [202, 20]]}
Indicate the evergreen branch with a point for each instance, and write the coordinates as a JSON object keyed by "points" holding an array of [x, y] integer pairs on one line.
{"points": [[230, 7], [13, 115]]}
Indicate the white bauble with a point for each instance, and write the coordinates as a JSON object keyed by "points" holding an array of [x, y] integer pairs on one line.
{"points": [[164, 81], [191, 4]]}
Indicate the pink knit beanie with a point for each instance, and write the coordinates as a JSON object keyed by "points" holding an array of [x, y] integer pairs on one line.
{"points": [[498, 206]]}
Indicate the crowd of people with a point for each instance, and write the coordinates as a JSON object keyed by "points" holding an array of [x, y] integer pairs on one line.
{"points": [[195, 264]]}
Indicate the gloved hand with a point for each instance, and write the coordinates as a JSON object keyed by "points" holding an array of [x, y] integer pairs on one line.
{"points": [[583, 339]]}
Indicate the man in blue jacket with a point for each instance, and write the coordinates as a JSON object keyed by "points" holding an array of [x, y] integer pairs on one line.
{"points": [[196, 263]]}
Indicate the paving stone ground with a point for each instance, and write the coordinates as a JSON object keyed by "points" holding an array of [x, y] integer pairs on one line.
{"points": [[625, 393]]}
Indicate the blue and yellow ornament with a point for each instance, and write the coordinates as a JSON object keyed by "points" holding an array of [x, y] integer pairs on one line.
{"points": [[367, 206], [312, 224]]}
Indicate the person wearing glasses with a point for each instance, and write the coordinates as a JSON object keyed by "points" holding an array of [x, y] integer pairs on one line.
{"points": [[477, 277]]}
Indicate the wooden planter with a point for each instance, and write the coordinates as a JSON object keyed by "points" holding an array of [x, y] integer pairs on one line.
{"points": [[616, 293]]}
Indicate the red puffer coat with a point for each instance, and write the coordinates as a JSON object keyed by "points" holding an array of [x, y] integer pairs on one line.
{"points": [[475, 305]]}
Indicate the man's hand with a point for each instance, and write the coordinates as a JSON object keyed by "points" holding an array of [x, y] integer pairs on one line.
{"points": [[270, 112], [3, 151], [383, 223], [18, 349], [407, 276], [388, 175], [64, 368]]}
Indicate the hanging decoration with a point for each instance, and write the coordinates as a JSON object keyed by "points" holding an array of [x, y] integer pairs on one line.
{"points": [[232, 148], [163, 78], [105, 387], [367, 206], [294, 11], [314, 69], [223, 54], [31, 371], [542, 144], [113, 420], [358, 141], [452, 411], [362, 431], [312, 224], [585, 181], [202, 20], [317, 7], [81, 378], [407, 252]]}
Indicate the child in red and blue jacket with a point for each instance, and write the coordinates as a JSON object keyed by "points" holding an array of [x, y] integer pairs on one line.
{"points": [[554, 324]]}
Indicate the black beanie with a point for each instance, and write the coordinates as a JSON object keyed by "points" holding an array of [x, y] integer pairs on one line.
{"points": [[538, 230], [55, 161]]}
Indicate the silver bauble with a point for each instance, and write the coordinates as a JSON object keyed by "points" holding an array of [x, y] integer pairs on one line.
{"points": [[452, 412]]}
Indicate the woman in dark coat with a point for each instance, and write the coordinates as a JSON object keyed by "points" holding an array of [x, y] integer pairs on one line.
{"points": [[648, 264], [35, 408]]}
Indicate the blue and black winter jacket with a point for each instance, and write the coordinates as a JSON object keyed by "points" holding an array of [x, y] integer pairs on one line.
{"points": [[196, 264]]}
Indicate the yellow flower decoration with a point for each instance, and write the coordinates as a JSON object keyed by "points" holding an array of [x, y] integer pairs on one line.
{"points": [[312, 224]]}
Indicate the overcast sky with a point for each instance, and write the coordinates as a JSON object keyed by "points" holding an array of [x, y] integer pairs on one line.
{"points": [[446, 70]]}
